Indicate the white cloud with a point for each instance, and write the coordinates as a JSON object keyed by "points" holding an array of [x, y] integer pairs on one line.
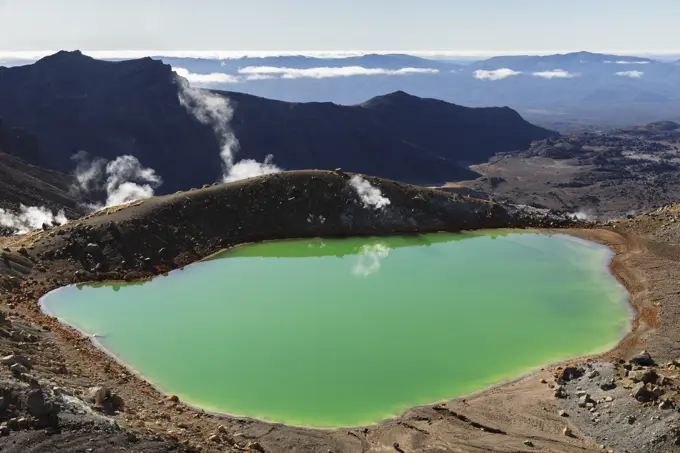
{"points": [[496, 74], [627, 62], [631, 74], [206, 79], [554, 74], [259, 77], [325, 72]]}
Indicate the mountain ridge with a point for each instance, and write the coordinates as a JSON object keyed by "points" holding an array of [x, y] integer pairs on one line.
{"points": [[73, 102]]}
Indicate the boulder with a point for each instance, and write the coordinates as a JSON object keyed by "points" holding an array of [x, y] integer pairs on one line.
{"points": [[644, 393], [648, 376], [39, 405], [98, 395], [18, 368], [92, 248], [643, 359], [15, 358], [569, 373]]}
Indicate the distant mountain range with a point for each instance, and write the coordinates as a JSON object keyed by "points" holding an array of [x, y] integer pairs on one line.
{"points": [[72, 102], [579, 87]]}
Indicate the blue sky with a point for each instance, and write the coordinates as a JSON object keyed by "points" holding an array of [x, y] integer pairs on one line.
{"points": [[456, 25]]}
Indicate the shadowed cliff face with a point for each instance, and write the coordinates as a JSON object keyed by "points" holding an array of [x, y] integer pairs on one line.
{"points": [[72, 102], [24, 184]]}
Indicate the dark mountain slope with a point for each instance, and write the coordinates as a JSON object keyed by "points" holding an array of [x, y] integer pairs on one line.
{"points": [[73, 102], [30, 185]]}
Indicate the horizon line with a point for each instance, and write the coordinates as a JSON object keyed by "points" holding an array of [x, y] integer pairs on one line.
{"points": [[235, 54]]}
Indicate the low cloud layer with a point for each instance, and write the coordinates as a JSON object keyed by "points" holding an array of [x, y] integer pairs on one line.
{"points": [[496, 74], [627, 62], [325, 72], [554, 74], [123, 179], [630, 74], [206, 79], [30, 218], [252, 73]]}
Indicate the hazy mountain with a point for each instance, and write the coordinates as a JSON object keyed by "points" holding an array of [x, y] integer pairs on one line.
{"points": [[72, 102], [578, 87]]}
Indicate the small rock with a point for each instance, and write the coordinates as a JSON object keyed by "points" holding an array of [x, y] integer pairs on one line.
{"points": [[18, 368], [254, 446], [609, 399], [543, 381], [528, 443], [593, 374], [567, 432], [608, 385], [214, 438], [15, 358], [666, 404], [563, 413], [173, 398], [560, 392]]}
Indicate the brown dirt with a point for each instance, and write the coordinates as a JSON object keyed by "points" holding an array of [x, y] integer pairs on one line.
{"points": [[497, 420]]}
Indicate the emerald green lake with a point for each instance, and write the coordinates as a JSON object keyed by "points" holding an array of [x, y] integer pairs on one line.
{"points": [[348, 332]]}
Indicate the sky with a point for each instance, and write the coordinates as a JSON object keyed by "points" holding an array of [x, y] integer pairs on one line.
{"points": [[486, 26]]}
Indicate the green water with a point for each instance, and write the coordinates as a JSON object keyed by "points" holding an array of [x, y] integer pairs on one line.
{"points": [[343, 332]]}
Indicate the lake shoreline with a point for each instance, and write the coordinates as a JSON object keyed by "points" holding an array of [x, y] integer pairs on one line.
{"points": [[579, 235]]}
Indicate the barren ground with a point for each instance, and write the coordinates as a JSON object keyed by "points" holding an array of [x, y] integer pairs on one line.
{"points": [[159, 234]]}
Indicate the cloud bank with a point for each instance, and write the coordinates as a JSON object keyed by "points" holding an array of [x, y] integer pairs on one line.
{"points": [[627, 62], [496, 74], [326, 72], [554, 74], [215, 77], [630, 74], [250, 73]]}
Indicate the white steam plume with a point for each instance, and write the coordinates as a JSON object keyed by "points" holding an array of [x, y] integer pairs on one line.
{"points": [[124, 179], [30, 218], [370, 196], [582, 215], [496, 74], [369, 259], [215, 111], [127, 180]]}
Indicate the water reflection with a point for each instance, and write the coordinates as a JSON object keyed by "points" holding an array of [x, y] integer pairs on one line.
{"points": [[369, 259]]}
